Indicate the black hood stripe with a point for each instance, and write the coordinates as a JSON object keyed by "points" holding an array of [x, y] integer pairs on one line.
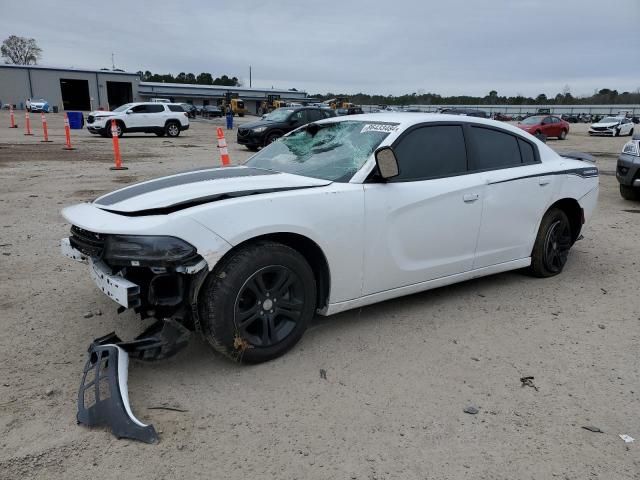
{"points": [[183, 179], [176, 207]]}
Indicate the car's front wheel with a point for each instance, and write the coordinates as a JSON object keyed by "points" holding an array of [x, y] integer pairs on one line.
{"points": [[258, 302], [552, 245], [563, 135], [629, 193], [172, 129]]}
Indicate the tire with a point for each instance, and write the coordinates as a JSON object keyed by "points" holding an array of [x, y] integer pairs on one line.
{"points": [[616, 132], [120, 129], [272, 137], [244, 288], [563, 135], [172, 129], [629, 193], [552, 245], [631, 132], [252, 148]]}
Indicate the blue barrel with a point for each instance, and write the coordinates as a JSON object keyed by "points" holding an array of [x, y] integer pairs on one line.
{"points": [[76, 120]]}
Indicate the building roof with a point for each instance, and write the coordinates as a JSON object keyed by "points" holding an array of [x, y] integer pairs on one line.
{"points": [[66, 69], [221, 88]]}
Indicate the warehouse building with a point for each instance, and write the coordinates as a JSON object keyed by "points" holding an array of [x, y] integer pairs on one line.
{"points": [[81, 89], [67, 88], [213, 94]]}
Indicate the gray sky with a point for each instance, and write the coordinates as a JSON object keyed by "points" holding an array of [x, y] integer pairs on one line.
{"points": [[451, 47]]}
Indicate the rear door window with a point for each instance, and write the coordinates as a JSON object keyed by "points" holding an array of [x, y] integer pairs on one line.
{"points": [[493, 149], [526, 151], [314, 115], [431, 152], [176, 108], [157, 108]]}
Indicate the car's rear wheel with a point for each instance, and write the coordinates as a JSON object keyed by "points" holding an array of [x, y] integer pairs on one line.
{"points": [[258, 302], [172, 129], [552, 245], [629, 193], [563, 135]]}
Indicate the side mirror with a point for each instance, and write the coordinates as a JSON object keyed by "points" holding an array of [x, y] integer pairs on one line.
{"points": [[387, 163], [129, 112]]}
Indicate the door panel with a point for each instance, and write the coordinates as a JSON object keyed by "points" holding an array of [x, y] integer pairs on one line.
{"points": [[419, 231], [511, 209]]}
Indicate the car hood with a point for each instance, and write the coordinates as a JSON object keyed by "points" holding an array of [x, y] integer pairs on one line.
{"points": [[184, 190], [101, 113], [608, 124]]}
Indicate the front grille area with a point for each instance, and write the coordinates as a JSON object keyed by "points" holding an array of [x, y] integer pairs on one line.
{"points": [[90, 119], [600, 129], [89, 243], [622, 171]]}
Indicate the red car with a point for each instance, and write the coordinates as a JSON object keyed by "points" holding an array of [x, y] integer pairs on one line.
{"points": [[547, 125]]}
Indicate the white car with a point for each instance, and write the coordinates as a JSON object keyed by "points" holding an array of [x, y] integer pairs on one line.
{"points": [[39, 105], [338, 214], [147, 117], [614, 126]]}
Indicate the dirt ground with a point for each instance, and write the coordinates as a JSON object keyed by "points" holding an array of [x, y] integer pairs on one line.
{"points": [[398, 374]]}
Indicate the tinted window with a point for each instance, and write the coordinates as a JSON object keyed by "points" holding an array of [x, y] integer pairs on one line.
{"points": [[299, 117], [157, 108], [493, 149], [326, 113], [139, 109], [429, 152], [177, 108], [314, 115], [526, 152]]}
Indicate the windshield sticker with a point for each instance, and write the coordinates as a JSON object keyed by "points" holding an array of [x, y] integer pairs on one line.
{"points": [[379, 127]]}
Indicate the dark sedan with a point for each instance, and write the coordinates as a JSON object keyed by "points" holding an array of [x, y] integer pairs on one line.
{"points": [[278, 123]]}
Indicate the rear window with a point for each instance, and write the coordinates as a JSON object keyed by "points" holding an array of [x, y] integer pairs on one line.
{"points": [[526, 152], [176, 108], [493, 149]]}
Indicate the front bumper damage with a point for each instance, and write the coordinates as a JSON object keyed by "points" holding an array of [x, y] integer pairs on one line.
{"points": [[103, 398]]}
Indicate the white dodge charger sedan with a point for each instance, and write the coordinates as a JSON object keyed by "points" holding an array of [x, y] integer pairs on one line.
{"points": [[338, 214]]}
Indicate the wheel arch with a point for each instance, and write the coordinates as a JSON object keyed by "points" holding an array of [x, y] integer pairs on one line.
{"points": [[310, 250], [574, 213]]}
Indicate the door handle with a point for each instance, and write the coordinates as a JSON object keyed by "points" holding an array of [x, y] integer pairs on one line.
{"points": [[542, 181], [470, 197]]}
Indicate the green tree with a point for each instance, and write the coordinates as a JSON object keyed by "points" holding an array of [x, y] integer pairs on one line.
{"points": [[20, 50]]}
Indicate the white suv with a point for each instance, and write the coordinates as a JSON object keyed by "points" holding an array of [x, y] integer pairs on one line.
{"points": [[148, 117]]}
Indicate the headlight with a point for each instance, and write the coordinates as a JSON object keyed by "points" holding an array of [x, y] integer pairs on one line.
{"points": [[258, 129], [139, 250]]}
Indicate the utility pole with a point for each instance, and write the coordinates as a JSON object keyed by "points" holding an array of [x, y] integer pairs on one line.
{"points": [[113, 63], [249, 76]]}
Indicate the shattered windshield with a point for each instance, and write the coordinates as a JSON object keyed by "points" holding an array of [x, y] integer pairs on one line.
{"points": [[329, 151]]}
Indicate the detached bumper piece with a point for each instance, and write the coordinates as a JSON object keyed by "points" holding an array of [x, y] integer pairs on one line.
{"points": [[103, 398]]}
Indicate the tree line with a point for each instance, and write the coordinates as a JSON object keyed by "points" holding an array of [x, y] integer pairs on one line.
{"points": [[603, 96], [203, 78]]}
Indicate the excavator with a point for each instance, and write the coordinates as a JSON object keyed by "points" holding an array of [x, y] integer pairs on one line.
{"points": [[339, 102], [237, 105], [270, 104]]}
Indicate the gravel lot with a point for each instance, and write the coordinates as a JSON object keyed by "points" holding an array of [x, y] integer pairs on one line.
{"points": [[398, 374]]}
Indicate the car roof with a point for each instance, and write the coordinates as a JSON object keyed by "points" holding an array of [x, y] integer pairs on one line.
{"points": [[407, 119]]}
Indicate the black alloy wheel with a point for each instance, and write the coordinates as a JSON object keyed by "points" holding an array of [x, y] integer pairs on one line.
{"points": [[556, 245], [269, 305]]}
